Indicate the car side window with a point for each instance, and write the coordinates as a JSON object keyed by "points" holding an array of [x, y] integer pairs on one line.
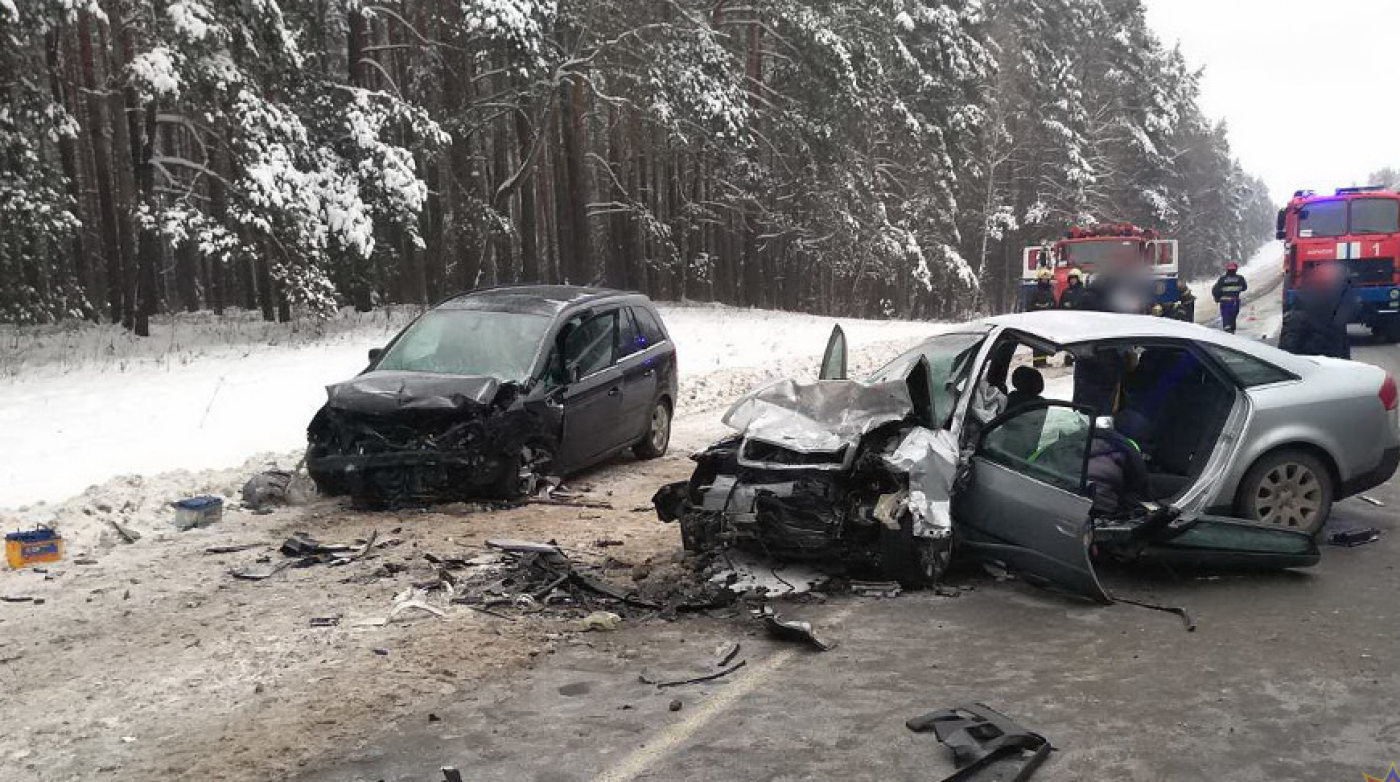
{"points": [[630, 339], [1250, 371], [1043, 441], [648, 326], [592, 346]]}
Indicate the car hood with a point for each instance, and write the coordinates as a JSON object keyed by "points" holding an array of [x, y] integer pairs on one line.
{"points": [[385, 393], [820, 416]]}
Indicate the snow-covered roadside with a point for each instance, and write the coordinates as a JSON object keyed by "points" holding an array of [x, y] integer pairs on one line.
{"points": [[187, 407], [1262, 267]]}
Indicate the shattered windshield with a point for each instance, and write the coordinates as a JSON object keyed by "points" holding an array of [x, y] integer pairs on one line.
{"points": [[949, 356], [1107, 255], [466, 342]]}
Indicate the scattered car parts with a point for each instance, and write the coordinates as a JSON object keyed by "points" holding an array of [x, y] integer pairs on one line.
{"points": [[983, 741]]}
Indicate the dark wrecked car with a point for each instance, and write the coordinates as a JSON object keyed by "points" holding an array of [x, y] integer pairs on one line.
{"points": [[494, 390], [1164, 441]]}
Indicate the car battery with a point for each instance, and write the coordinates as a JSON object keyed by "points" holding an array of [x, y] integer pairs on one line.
{"points": [[34, 547], [198, 511]]}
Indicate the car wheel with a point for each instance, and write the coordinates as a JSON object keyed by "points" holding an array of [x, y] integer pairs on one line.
{"points": [[915, 562], [521, 475], [658, 437], [1292, 489]]}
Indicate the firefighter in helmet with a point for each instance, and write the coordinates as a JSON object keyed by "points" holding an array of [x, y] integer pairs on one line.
{"points": [[1076, 296], [1228, 293], [1040, 299]]}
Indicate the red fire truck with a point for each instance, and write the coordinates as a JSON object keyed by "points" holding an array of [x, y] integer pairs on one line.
{"points": [[1116, 248], [1358, 227]]}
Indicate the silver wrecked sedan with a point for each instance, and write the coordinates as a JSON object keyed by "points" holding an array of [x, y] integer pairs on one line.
{"points": [[1043, 441]]}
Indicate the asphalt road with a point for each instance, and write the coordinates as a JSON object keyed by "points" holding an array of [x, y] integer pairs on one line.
{"points": [[1290, 676]]}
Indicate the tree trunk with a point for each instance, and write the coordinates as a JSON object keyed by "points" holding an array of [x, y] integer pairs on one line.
{"points": [[146, 293], [100, 132], [529, 249], [68, 155]]}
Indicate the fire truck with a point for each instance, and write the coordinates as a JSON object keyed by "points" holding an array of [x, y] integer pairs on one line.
{"points": [[1358, 227], [1119, 249]]}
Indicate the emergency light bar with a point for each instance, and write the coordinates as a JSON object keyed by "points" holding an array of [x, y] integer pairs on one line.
{"points": [[1354, 190]]}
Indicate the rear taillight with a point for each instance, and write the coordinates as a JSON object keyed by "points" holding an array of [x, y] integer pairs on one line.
{"points": [[1390, 396]]}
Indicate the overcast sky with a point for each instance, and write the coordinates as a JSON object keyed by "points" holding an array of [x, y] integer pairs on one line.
{"points": [[1309, 87]]}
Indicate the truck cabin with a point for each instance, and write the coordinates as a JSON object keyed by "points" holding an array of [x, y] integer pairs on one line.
{"points": [[1358, 226]]}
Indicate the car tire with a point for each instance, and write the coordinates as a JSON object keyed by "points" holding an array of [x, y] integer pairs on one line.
{"points": [[1291, 488], [915, 562], [658, 436], [512, 485]]}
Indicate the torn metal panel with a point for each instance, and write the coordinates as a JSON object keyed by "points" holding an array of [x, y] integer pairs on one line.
{"points": [[930, 459], [818, 417]]}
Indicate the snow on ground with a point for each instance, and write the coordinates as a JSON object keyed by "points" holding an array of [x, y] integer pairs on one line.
{"points": [[80, 404], [1266, 263]]}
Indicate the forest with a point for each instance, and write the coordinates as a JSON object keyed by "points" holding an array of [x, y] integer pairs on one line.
{"points": [[881, 158]]}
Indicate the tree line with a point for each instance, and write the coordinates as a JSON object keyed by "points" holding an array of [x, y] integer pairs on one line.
{"points": [[851, 157]]}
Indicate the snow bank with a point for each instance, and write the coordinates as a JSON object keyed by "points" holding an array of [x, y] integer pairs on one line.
{"points": [[81, 404]]}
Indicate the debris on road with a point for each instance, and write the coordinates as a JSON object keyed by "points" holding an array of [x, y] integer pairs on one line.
{"points": [[984, 740], [1186, 618], [601, 620], [726, 653], [262, 571], [232, 549], [794, 631], [266, 489], [451, 774], [198, 511], [1368, 499], [413, 599], [124, 532], [709, 677], [1349, 538], [33, 547], [876, 588], [325, 621], [676, 705]]}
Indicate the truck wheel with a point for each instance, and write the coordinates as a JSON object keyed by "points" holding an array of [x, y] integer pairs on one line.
{"points": [[915, 562], [658, 437], [1290, 488]]}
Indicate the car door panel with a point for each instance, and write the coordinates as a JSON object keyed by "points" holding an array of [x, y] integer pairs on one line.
{"points": [[639, 376], [1022, 500], [593, 398]]}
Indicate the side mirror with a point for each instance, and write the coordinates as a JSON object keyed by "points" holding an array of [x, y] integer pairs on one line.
{"points": [[375, 354]]}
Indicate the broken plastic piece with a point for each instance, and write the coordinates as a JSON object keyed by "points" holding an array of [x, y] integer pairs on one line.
{"points": [[876, 588], [980, 737], [1368, 499], [726, 654], [698, 679], [797, 632], [523, 546], [1354, 537], [601, 620]]}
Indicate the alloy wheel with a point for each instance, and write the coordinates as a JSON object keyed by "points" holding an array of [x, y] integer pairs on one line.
{"points": [[660, 428], [1289, 495]]}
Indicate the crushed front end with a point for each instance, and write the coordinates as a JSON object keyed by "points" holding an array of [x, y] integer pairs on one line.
{"points": [[831, 471], [408, 438]]}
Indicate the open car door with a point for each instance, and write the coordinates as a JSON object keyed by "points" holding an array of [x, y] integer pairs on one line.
{"points": [[834, 360], [1023, 500]]}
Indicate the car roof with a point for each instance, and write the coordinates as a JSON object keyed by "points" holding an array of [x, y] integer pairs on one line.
{"points": [[531, 299], [1066, 327]]}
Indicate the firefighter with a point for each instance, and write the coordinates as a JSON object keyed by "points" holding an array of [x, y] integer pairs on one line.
{"points": [[1040, 299], [1185, 307], [1316, 324], [1076, 296], [1228, 292]]}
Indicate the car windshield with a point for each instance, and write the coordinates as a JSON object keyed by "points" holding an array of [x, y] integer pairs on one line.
{"points": [[1375, 216], [949, 356], [1114, 254], [1323, 218], [468, 342]]}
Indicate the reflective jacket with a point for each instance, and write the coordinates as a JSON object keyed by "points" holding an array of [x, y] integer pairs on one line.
{"points": [[1229, 286], [1076, 297], [1040, 298]]}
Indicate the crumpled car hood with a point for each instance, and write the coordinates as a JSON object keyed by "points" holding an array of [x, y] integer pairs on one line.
{"points": [[383, 393], [819, 416]]}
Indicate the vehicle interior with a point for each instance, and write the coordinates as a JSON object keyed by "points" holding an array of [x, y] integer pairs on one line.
{"points": [[1162, 395]]}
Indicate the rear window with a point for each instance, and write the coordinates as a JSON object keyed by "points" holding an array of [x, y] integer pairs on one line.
{"points": [[1248, 370], [648, 326], [1375, 216]]}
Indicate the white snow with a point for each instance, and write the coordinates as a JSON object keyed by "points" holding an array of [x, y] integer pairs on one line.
{"points": [[81, 404], [155, 71], [1266, 262]]}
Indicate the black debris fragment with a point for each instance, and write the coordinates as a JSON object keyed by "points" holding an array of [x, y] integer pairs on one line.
{"points": [[1185, 615], [262, 571], [676, 705], [451, 774], [1348, 538], [986, 744], [876, 588], [697, 679], [233, 549], [794, 631], [325, 621], [725, 654], [266, 489], [382, 652]]}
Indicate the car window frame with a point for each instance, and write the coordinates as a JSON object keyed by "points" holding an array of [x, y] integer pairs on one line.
{"points": [[655, 316], [588, 317], [1209, 350], [979, 450]]}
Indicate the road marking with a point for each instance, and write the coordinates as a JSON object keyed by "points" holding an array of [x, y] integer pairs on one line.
{"points": [[669, 740]]}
